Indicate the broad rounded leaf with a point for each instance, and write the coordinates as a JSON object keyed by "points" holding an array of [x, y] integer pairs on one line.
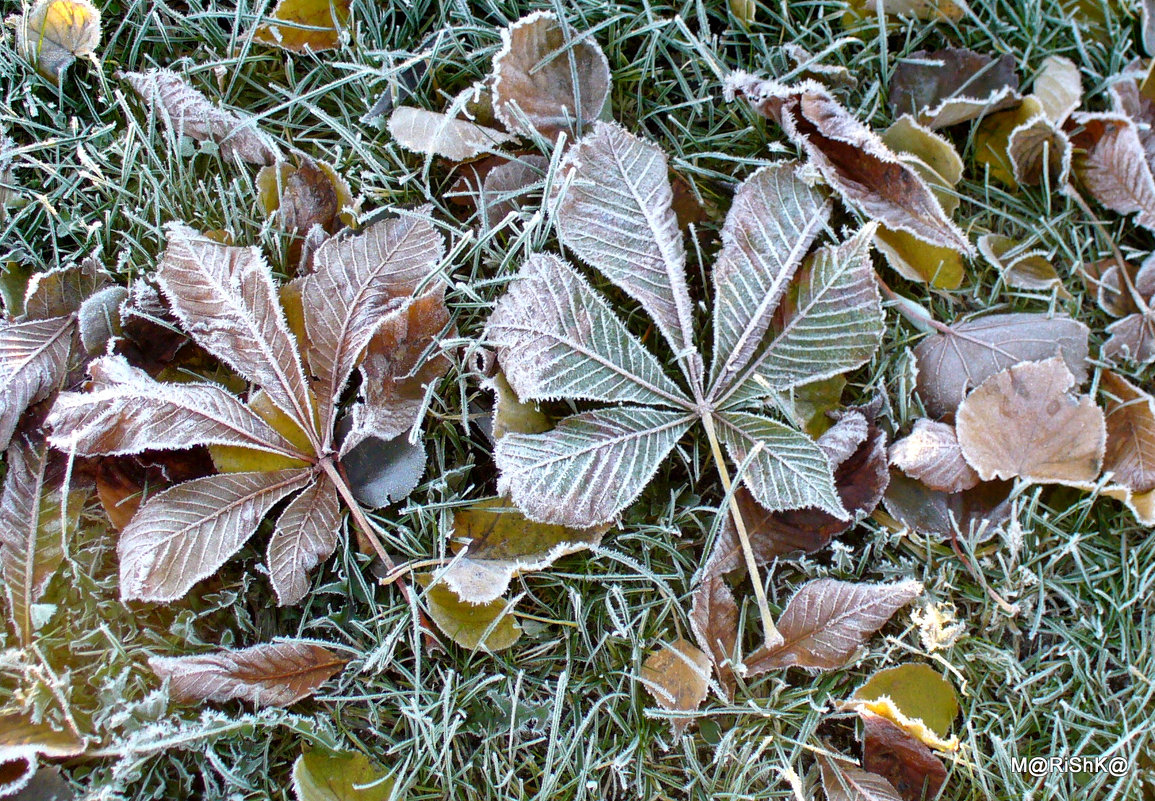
{"points": [[22, 741], [534, 72], [54, 33], [1059, 88], [914, 696], [185, 533], [946, 87], [931, 454], [271, 674], [678, 677], [323, 776], [33, 360], [314, 25], [489, 626], [1025, 423]]}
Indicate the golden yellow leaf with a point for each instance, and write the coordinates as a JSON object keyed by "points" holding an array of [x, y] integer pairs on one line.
{"points": [[54, 33], [994, 135], [311, 25]]}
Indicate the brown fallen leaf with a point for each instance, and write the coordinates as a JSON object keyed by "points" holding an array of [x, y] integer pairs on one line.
{"points": [[306, 195], [310, 25], [1019, 267], [952, 363], [714, 621], [677, 675], [931, 454], [843, 781], [1025, 423], [534, 74], [507, 186], [62, 290], [908, 765], [1039, 152], [992, 139], [270, 674], [1102, 278], [52, 34], [34, 357], [1110, 163], [1129, 97], [1130, 452], [186, 112], [124, 482], [23, 741], [959, 514], [946, 87], [852, 159], [828, 620], [495, 542]]}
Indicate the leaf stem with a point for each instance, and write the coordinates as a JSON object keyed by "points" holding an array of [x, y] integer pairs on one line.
{"points": [[770, 631]]}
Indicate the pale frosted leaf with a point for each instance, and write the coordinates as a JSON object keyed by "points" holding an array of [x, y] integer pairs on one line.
{"points": [[320, 775], [1112, 165], [271, 674], [931, 454], [789, 472], [98, 319], [432, 133], [534, 72], [187, 112], [827, 620], [678, 677], [1128, 100], [1132, 339], [305, 536], [946, 87], [950, 365], [128, 412], [1059, 88], [355, 282], [33, 360], [843, 781], [1024, 422], [185, 533], [33, 529], [589, 468], [225, 299], [61, 291], [1130, 420], [507, 187], [770, 228], [496, 542], [54, 33], [852, 159], [618, 216], [1039, 151], [835, 324], [557, 338], [22, 741]]}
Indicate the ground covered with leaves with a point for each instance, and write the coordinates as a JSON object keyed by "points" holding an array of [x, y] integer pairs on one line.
{"points": [[602, 400]]}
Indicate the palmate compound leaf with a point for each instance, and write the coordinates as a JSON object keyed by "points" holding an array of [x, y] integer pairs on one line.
{"points": [[33, 360], [36, 521], [271, 674], [1025, 423], [306, 535], [187, 112], [556, 338], [827, 620]]}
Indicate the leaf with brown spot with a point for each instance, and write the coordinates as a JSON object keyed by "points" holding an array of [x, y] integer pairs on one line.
{"points": [[852, 159], [1025, 423], [828, 620], [843, 781], [270, 674], [1130, 452], [187, 112], [946, 87], [310, 25], [951, 364], [908, 765], [677, 675], [931, 454], [534, 72]]}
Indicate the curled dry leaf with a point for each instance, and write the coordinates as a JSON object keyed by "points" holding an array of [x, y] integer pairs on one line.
{"points": [[992, 138], [843, 781], [303, 196], [858, 11], [186, 112], [271, 674], [1059, 88], [827, 620], [534, 77], [914, 697], [23, 742], [1025, 423], [1021, 268], [310, 25], [1130, 452], [37, 520], [490, 626], [1132, 337], [320, 775], [54, 33], [852, 159], [946, 87], [931, 454], [432, 133], [971, 513], [951, 364], [1039, 152], [908, 765], [714, 620], [677, 675], [496, 543], [63, 290]]}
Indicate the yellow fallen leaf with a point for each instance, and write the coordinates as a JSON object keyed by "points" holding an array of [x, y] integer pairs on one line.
{"points": [[310, 25], [54, 33]]}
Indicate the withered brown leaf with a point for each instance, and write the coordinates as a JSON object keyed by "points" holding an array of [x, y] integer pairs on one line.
{"points": [[843, 781], [270, 674], [931, 454], [946, 87], [1130, 452], [677, 675], [922, 509], [909, 766]]}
